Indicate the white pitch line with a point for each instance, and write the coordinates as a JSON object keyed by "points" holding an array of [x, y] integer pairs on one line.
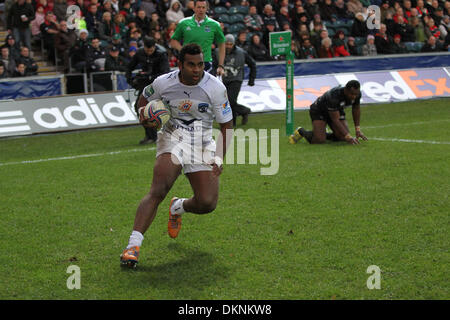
{"points": [[405, 124], [409, 140], [76, 157]]}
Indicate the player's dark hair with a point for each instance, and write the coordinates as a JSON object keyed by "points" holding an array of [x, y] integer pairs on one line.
{"points": [[352, 84], [191, 48]]}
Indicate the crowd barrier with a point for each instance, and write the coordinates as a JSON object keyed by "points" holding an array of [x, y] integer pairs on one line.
{"points": [[109, 109], [72, 83]]}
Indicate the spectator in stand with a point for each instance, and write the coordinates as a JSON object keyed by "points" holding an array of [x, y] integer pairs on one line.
{"points": [[402, 28], [114, 61], [268, 28], [325, 50], [369, 49], [327, 11], [341, 10], [175, 12], [355, 6], [136, 35], [407, 8], [188, 10], [269, 17], [383, 42], [20, 71], [432, 45], [149, 7], [253, 21], [156, 23], [120, 24], [444, 26], [31, 66], [398, 47], [93, 20], [142, 21], [316, 21], [127, 11], [359, 27], [36, 25], [3, 73], [241, 40], [123, 49], [311, 8], [418, 29], [283, 18], [340, 48], [257, 50], [18, 22], [433, 9], [438, 15], [163, 6], [8, 62], [307, 51], [296, 48], [96, 56], [168, 32], [46, 5], [78, 53], [420, 6], [432, 29], [386, 9], [64, 41], [49, 28], [352, 48], [107, 7], [299, 16], [317, 40], [131, 53], [10, 43], [115, 4], [106, 29]]}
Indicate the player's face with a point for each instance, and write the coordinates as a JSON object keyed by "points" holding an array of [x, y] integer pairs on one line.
{"points": [[351, 93], [192, 69]]}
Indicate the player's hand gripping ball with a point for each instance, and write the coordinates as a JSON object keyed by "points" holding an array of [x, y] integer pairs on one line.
{"points": [[154, 115]]}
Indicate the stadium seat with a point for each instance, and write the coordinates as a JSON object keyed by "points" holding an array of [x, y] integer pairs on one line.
{"points": [[418, 46], [236, 18], [410, 46], [360, 41], [224, 17], [220, 10], [236, 27], [238, 9]]}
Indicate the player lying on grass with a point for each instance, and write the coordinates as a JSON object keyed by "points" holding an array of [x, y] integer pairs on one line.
{"points": [[195, 98], [328, 109]]}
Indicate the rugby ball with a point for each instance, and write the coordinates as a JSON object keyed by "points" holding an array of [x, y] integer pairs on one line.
{"points": [[155, 114]]}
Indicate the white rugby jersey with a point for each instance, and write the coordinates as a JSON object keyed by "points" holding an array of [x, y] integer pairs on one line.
{"points": [[191, 106]]}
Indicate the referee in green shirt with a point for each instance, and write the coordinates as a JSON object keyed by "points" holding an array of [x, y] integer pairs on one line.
{"points": [[202, 30]]}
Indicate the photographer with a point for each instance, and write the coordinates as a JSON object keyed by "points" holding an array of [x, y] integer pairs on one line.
{"points": [[152, 61]]}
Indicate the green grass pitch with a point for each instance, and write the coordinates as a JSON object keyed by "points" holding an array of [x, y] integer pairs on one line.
{"points": [[308, 232]]}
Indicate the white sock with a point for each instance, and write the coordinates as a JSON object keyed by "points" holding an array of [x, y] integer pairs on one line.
{"points": [[177, 207], [135, 239]]}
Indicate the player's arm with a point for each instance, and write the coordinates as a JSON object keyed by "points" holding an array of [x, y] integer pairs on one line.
{"points": [[224, 140], [356, 113], [220, 68], [340, 129], [175, 44]]}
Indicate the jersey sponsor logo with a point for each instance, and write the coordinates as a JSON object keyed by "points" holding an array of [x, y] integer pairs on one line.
{"points": [[185, 105], [207, 29], [149, 91], [226, 108], [203, 107]]}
